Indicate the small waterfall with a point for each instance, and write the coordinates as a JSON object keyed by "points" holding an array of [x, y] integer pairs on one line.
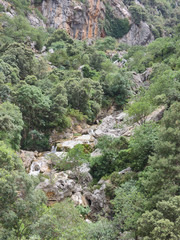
{"points": [[35, 168], [53, 149]]}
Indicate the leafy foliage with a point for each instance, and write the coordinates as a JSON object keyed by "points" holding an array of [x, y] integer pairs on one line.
{"points": [[160, 179], [162, 223], [11, 124], [113, 26]]}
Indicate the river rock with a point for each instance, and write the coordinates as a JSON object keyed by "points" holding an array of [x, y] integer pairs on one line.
{"points": [[27, 157], [40, 165], [156, 115], [69, 144], [125, 171], [96, 199], [77, 198], [58, 187], [96, 153]]}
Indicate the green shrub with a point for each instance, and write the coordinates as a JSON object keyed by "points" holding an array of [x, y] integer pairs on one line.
{"points": [[118, 179], [113, 26], [83, 210], [138, 13], [36, 141], [77, 114], [101, 230], [1, 8]]}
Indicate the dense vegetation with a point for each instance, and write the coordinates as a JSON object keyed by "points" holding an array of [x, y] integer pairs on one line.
{"points": [[40, 92], [161, 15]]}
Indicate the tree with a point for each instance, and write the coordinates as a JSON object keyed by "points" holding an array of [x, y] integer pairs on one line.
{"points": [[115, 27], [8, 73], [18, 29], [11, 124], [59, 35], [102, 230], [73, 160], [142, 145], [61, 221], [117, 85], [34, 105], [129, 204], [161, 178], [139, 110], [84, 95], [35, 108], [107, 43], [138, 13], [20, 203], [19, 56], [163, 223], [114, 156]]}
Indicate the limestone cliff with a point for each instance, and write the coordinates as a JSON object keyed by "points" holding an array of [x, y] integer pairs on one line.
{"points": [[84, 19], [80, 20]]}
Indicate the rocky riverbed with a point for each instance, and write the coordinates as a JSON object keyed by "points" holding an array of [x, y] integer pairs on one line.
{"points": [[75, 183]]}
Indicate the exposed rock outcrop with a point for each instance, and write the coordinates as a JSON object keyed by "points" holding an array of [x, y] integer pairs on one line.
{"points": [[66, 184], [31, 15], [28, 157], [119, 124], [69, 144], [138, 35], [85, 20], [80, 20]]}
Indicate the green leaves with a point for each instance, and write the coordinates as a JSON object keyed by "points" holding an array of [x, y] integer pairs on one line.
{"points": [[11, 124], [161, 178], [113, 26], [129, 204], [162, 223], [19, 201]]}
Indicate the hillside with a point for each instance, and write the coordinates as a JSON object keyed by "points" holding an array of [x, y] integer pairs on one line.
{"points": [[89, 120]]}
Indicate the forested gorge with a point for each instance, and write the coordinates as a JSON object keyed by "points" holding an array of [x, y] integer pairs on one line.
{"points": [[47, 79]]}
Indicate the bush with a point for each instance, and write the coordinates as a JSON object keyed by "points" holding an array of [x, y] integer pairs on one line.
{"points": [[115, 27], [118, 179], [102, 230], [138, 13], [77, 114], [36, 141], [83, 210], [114, 156]]}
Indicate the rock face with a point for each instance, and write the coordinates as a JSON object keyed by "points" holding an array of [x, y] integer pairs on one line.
{"points": [[138, 35], [84, 20], [69, 144], [65, 184], [118, 124], [31, 16], [80, 20]]}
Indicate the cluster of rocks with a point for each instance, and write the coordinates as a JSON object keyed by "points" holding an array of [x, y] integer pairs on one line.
{"points": [[74, 184], [119, 124], [59, 185], [87, 139]]}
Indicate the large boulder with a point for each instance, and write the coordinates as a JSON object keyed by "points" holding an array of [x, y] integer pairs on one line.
{"points": [[57, 187], [138, 35], [28, 157], [156, 115], [66, 184], [40, 165], [69, 144]]}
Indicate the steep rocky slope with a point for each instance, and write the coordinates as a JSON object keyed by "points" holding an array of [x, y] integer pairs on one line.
{"points": [[85, 20]]}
